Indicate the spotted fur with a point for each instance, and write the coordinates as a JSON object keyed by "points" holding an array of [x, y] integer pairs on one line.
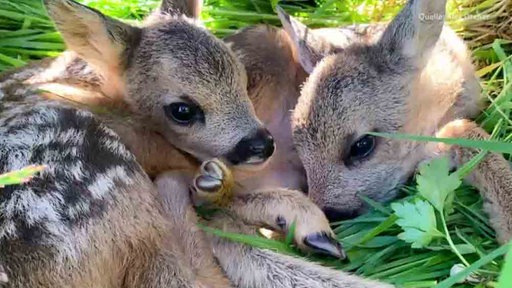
{"points": [[72, 188]]}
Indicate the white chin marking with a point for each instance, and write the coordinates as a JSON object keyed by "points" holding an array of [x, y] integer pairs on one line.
{"points": [[254, 161], [254, 164]]}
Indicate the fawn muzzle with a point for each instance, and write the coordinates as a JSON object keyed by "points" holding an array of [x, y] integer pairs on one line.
{"points": [[254, 149]]}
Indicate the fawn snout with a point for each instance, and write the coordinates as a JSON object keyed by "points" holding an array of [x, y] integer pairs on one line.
{"points": [[253, 149]]}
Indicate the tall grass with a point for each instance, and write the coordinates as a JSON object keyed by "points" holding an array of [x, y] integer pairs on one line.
{"points": [[371, 240]]}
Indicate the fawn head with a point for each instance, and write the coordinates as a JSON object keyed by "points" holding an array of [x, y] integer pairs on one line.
{"points": [[353, 90], [176, 76]]}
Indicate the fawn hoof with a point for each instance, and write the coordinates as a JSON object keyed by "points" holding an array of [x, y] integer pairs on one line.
{"points": [[213, 168], [207, 183], [213, 184], [211, 176], [324, 243]]}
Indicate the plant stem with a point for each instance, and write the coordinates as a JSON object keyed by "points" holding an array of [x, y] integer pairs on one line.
{"points": [[450, 242]]}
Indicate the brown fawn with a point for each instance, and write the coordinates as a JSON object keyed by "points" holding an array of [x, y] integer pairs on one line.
{"points": [[412, 76]]}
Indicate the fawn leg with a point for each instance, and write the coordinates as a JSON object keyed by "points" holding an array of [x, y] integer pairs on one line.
{"points": [[259, 268], [173, 188], [274, 208], [492, 176]]}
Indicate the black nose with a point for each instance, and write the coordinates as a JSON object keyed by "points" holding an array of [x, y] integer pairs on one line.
{"points": [[335, 215], [254, 149], [262, 145]]}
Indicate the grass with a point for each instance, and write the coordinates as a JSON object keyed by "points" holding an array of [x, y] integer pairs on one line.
{"points": [[372, 241]]}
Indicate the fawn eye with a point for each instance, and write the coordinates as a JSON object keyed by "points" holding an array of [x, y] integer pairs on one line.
{"points": [[362, 148], [183, 113]]}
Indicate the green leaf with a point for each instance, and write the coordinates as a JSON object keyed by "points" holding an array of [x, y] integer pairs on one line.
{"points": [[418, 220], [436, 184], [502, 55], [488, 69]]}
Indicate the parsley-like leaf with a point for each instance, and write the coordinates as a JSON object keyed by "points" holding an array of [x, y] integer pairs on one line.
{"points": [[436, 184], [418, 220]]}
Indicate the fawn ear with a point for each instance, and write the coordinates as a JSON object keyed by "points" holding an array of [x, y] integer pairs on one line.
{"points": [[102, 41], [189, 8], [310, 48], [415, 30]]}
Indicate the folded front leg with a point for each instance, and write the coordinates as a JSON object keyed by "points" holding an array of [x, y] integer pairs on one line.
{"points": [[275, 208], [173, 188], [259, 268], [281, 208], [246, 211], [492, 176]]}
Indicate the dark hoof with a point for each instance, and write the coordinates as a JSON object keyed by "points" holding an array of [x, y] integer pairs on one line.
{"points": [[208, 183], [212, 169], [323, 243]]}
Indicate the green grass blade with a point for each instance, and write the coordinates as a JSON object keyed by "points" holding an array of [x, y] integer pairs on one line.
{"points": [[390, 221], [473, 267], [505, 280], [20, 176], [11, 61], [495, 146], [255, 241]]}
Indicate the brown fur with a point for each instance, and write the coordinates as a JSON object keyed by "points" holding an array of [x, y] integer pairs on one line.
{"points": [[492, 176], [92, 243], [154, 52], [151, 256], [274, 78], [445, 89], [410, 76], [390, 81], [140, 237]]}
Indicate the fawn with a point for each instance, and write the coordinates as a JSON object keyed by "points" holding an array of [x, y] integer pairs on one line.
{"points": [[125, 105], [420, 69], [411, 76]]}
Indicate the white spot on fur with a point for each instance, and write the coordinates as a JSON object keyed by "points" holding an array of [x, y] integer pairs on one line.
{"points": [[7, 229], [18, 158], [71, 137], [34, 209], [81, 207], [105, 182], [56, 70], [115, 146], [76, 170]]}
